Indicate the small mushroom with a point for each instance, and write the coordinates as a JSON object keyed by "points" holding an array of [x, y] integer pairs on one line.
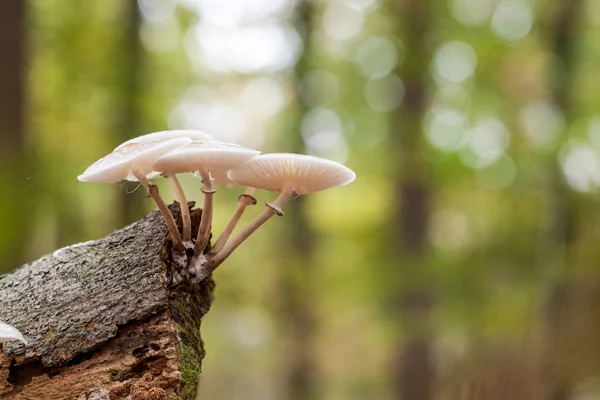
{"points": [[134, 162], [204, 157], [287, 174], [166, 135], [8, 333]]}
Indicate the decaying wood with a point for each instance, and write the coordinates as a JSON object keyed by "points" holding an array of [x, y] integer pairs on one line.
{"points": [[114, 318]]}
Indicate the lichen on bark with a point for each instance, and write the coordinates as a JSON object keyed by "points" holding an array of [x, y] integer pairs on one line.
{"points": [[78, 307]]}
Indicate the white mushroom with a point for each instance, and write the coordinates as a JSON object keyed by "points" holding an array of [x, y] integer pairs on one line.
{"points": [[204, 157], [134, 162], [8, 333], [288, 174], [166, 135]]}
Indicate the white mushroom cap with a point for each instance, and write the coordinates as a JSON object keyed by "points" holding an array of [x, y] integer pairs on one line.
{"points": [[166, 135], [304, 174], [138, 157], [212, 156], [8, 333]]}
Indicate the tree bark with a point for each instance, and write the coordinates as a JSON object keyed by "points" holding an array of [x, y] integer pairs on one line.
{"points": [[114, 318]]}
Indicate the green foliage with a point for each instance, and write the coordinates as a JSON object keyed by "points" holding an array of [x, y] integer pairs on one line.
{"points": [[492, 255]]}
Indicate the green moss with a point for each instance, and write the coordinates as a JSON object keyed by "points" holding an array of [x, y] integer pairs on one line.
{"points": [[190, 367], [188, 303]]}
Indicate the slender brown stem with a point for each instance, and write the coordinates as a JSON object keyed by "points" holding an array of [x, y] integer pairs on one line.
{"points": [[177, 243], [272, 209], [185, 210], [207, 211], [243, 235], [152, 191], [244, 200]]}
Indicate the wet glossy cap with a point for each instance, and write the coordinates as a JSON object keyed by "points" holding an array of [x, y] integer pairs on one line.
{"points": [[305, 174], [121, 163]]}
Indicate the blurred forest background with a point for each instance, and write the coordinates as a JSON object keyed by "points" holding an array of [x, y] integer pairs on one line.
{"points": [[463, 261]]}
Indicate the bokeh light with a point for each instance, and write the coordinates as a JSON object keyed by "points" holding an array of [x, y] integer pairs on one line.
{"points": [[472, 12], [581, 165], [455, 62], [512, 20], [322, 133], [268, 46], [341, 21], [384, 94], [377, 57], [487, 142], [446, 129], [157, 11], [542, 123], [232, 13], [262, 97]]}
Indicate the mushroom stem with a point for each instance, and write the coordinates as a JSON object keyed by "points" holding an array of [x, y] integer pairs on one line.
{"points": [[272, 209], [185, 210], [244, 200], [206, 219], [152, 191]]}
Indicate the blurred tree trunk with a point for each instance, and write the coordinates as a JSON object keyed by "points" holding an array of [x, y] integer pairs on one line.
{"points": [[296, 279], [413, 369], [14, 162], [130, 76], [12, 75], [560, 229], [560, 232], [299, 321]]}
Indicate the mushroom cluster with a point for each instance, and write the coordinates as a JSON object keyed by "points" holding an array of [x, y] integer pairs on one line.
{"points": [[169, 153]]}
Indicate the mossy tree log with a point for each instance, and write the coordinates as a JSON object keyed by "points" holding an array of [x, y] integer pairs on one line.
{"points": [[114, 318]]}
